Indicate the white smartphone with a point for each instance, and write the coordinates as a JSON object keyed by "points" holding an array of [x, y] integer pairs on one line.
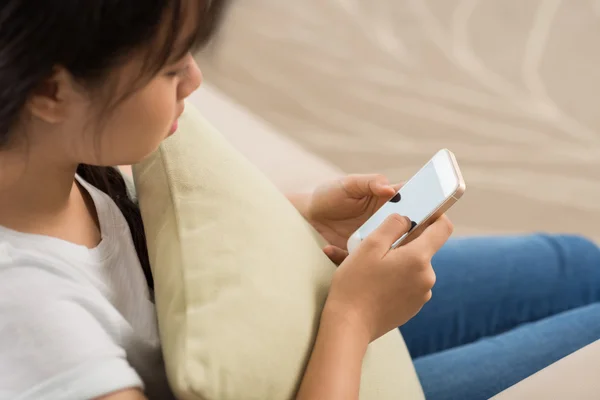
{"points": [[427, 195]]}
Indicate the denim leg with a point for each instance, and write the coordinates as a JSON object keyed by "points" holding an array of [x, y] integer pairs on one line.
{"points": [[489, 285], [480, 370]]}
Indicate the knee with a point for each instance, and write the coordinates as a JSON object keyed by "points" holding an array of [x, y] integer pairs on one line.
{"points": [[573, 246], [572, 240]]}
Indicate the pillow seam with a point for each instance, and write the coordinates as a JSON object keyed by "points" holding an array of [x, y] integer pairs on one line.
{"points": [[181, 274]]}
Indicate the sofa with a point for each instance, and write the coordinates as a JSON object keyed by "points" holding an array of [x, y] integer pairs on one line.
{"points": [[293, 168], [313, 89]]}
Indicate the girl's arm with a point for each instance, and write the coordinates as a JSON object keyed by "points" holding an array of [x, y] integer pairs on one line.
{"points": [[334, 369]]}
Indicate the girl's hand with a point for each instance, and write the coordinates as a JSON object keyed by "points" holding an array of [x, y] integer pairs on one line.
{"points": [[338, 209], [377, 289], [373, 292]]}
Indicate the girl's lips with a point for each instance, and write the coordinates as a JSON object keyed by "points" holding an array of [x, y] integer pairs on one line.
{"points": [[176, 123], [174, 128]]}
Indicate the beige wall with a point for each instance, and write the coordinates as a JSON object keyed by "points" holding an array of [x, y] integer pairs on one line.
{"points": [[510, 86]]}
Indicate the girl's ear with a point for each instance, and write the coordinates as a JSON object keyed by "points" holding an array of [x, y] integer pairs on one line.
{"points": [[52, 99]]}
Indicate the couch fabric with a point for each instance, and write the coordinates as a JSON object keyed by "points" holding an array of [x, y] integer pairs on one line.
{"points": [[290, 167]]}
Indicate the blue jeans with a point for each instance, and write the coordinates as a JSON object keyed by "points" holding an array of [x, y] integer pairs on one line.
{"points": [[504, 308]]}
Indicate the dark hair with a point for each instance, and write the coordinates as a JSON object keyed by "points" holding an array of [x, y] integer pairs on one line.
{"points": [[90, 38]]}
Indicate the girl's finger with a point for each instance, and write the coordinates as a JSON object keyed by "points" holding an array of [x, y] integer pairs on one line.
{"points": [[397, 186], [359, 186], [335, 254], [390, 191], [381, 190]]}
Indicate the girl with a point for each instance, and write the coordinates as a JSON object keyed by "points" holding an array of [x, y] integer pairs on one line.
{"points": [[85, 85]]}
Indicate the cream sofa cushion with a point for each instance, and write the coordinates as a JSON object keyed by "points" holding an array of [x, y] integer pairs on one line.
{"points": [[289, 166], [240, 277]]}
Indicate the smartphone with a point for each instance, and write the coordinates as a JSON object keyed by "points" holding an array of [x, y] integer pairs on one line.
{"points": [[424, 198]]}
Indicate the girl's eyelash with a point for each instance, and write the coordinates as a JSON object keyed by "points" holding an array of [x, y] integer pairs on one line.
{"points": [[173, 74], [177, 72]]}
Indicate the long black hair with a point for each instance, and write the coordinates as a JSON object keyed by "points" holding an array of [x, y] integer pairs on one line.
{"points": [[89, 38]]}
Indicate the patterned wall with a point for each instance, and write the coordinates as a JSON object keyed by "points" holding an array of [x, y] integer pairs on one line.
{"points": [[511, 86]]}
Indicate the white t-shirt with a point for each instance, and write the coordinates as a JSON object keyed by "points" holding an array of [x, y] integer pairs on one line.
{"points": [[77, 323]]}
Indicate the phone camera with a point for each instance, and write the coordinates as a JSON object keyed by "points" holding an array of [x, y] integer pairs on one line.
{"points": [[396, 198]]}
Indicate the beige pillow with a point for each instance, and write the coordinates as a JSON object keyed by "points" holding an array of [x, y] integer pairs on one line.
{"points": [[240, 277]]}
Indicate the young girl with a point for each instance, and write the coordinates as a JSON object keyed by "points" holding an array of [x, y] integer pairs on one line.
{"points": [[85, 85]]}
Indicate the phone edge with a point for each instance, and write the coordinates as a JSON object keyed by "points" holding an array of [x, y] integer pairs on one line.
{"points": [[446, 205]]}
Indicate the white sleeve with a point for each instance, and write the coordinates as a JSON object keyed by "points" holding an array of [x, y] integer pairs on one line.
{"points": [[53, 348]]}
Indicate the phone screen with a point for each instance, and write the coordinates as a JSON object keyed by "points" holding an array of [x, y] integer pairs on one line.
{"points": [[417, 199]]}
